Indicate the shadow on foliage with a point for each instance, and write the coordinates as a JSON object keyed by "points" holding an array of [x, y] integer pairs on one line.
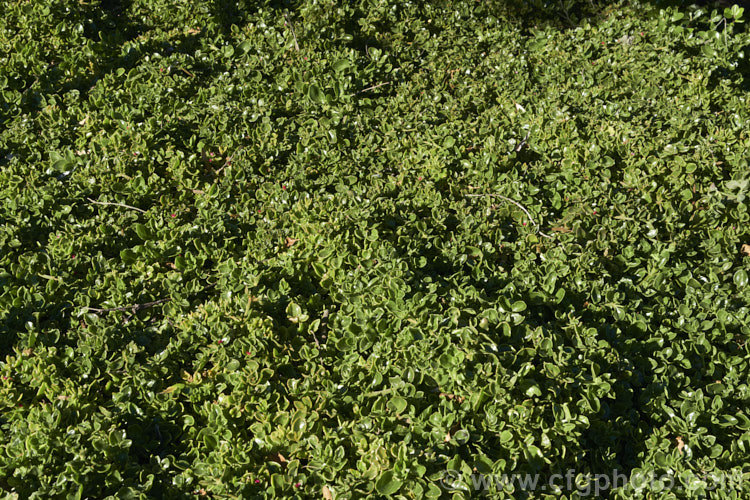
{"points": [[566, 14], [623, 419], [110, 26], [615, 439]]}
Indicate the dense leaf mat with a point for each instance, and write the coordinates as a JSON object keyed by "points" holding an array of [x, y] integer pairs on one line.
{"points": [[336, 250]]}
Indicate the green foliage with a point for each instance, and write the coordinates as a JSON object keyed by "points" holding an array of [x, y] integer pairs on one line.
{"points": [[240, 259]]}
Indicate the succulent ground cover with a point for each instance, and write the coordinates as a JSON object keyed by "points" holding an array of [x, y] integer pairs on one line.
{"points": [[345, 249]]}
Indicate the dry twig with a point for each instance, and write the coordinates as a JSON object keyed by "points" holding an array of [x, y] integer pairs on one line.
{"points": [[134, 307], [510, 200], [373, 87], [115, 205], [291, 27], [323, 326], [137, 307], [523, 142]]}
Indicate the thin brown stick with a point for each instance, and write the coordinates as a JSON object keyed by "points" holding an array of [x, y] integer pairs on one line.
{"points": [[291, 27], [138, 307], [315, 339], [523, 142], [323, 326], [135, 307], [115, 205], [188, 73], [29, 87], [510, 200], [373, 87], [227, 163]]}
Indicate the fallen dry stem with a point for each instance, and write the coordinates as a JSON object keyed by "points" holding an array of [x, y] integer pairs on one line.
{"points": [[373, 87], [116, 205], [514, 202], [294, 35]]}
